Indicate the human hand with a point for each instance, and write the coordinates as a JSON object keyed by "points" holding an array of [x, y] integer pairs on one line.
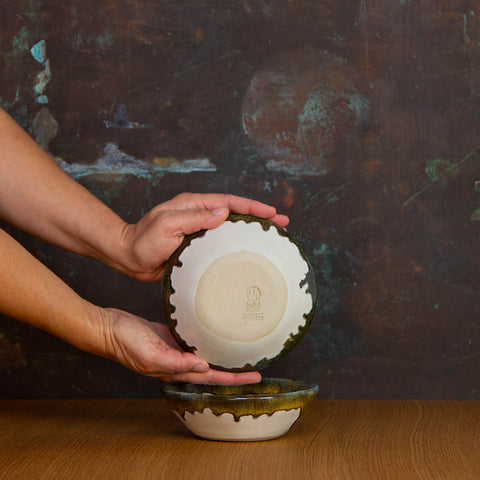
{"points": [[148, 348], [150, 242]]}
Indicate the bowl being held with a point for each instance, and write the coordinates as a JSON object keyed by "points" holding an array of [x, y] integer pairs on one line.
{"points": [[240, 296], [255, 412]]}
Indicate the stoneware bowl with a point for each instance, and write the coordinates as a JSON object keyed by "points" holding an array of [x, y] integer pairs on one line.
{"points": [[239, 296], [255, 412]]}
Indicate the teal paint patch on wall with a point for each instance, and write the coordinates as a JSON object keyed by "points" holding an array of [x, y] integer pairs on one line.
{"points": [[39, 51], [42, 99], [116, 164], [304, 109], [104, 41]]}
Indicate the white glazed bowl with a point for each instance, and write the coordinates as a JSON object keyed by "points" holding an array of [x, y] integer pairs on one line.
{"points": [[261, 411], [239, 296]]}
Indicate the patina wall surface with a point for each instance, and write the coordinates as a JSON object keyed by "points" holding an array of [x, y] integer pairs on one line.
{"points": [[360, 120]]}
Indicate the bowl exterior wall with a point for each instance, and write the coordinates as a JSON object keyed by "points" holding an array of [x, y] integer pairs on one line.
{"points": [[248, 428]]}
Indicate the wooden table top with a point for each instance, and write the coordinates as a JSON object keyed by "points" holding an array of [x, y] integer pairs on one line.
{"points": [[334, 439]]}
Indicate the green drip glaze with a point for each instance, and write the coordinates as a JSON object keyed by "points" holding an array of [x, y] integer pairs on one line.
{"points": [[169, 309], [267, 397]]}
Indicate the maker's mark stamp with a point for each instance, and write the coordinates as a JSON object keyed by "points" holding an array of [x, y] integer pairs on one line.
{"points": [[252, 305]]}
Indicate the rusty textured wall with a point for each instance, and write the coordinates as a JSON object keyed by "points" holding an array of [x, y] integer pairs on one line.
{"points": [[361, 120]]}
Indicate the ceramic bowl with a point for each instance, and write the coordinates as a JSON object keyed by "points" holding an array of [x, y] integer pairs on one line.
{"points": [[239, 296], [261, 411]]}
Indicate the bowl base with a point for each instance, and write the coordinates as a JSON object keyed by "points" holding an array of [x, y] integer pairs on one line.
{"points": [[248, 428]]}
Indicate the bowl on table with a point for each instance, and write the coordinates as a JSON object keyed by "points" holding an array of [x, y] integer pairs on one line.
{"points": [[261, 411]]}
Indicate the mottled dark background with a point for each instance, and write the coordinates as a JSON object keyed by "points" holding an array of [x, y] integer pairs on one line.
{"points": [[360, 120]]}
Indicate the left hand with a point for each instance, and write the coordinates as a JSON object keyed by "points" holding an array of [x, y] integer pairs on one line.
{"points": [[150, 242], [148, 348]]}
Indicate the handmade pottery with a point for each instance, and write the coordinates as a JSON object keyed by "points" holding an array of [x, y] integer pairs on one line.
{"points": [[239, 296], [255, 412]]}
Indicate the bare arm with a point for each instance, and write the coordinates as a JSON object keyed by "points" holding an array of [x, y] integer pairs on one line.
{"points": [[37, 196], [32, 293]]}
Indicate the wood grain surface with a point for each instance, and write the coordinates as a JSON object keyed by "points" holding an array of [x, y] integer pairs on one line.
{"points": [[334, 439]]}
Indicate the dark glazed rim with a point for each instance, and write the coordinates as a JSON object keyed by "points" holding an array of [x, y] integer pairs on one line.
{"points": [[266, 389], [266, 397], [168, 309]]}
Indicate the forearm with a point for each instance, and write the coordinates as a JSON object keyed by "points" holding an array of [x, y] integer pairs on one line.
{"points": [[30, 292], [37, 196]]}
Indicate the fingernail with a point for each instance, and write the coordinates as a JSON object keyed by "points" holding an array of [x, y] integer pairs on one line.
{"points": [[220, 210], [200, 368]]}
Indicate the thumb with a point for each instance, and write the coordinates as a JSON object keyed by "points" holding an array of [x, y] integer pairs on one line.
{"points": [[185, 222]]}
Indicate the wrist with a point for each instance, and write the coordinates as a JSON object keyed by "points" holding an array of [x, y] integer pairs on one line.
{"points": [[123, 257], [92, 335], [113, 247]]}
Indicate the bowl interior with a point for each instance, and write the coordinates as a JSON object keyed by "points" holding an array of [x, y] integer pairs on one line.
{"points": [[267, 388]]}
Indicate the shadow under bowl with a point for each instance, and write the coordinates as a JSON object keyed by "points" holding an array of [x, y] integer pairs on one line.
{"points": [[254, 412]]}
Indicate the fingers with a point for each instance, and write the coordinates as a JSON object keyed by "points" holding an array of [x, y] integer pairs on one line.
{"points": [[235, 204], [215, 377], [148, 348], [173, 363], [246, 206], [281, 220], [184, 222], [187, 367]]}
